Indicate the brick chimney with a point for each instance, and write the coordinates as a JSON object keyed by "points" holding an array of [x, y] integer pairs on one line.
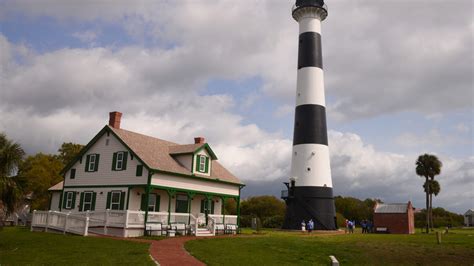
{"points": [[114, 119], [199, 140]]}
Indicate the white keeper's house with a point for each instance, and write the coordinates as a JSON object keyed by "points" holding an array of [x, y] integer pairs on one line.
{"points": [[125, 183]]}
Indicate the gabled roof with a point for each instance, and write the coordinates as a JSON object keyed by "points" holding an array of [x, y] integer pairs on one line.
{"points": [[469, 212], [57, 187], [156, 154], [391, 208]]}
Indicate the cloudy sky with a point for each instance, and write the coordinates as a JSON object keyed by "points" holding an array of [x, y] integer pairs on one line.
{"points": [[398, 76]]}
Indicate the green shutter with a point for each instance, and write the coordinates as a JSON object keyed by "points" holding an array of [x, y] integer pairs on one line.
{"points": [[109, 196], [81, 201], [212, 206], [93, 201], [202, 205], [114, 161], [144, 204], [206, 168], [60, 200], [73, 173], [198, 159], [73, 205], [139, 170], [122, 200], [97, 156], [124, 164], [157, 203], [88, 157], [64, 198]]}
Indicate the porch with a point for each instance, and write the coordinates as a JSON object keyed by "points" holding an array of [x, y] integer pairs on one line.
{"points": [[134, 223]]}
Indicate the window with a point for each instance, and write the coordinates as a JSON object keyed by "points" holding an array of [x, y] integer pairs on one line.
{"points": [[139, 170], [72, 175], [182, 203], [115, 200], [202, 163], [119, 161], [69, 200], [153, 203], [205, 206], [92, 163], [88, 201]]}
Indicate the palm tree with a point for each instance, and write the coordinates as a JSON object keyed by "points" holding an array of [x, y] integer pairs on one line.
{"points": [[434, 188], [428, 166], [11, 154]]}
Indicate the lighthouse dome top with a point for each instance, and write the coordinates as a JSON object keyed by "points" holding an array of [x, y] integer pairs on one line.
{"points": [[314, 5]]}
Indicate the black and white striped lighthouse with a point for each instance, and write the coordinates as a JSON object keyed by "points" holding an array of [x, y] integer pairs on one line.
{"points": [[310, 194]]}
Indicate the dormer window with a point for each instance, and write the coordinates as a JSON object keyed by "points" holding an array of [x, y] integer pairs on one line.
{"points": [[202, 164]]}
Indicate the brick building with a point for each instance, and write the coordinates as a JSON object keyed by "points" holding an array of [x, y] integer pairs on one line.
{"points": [[395, 218]]}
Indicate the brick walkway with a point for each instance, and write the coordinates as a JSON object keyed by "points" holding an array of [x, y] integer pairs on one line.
{"points": [[170, 252]]}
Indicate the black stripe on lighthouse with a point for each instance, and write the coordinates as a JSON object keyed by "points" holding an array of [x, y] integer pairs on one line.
{"points": [[310, 125], [309, 50]]}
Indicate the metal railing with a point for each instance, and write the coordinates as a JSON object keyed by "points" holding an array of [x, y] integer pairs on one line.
{"points": [[294, 7]]}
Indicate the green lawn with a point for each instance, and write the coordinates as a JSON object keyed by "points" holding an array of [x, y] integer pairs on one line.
{"points": [[19, 246], [295, 248]]}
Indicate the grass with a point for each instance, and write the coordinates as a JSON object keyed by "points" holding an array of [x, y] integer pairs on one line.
{"points": [[295, 248], [19, 246]]}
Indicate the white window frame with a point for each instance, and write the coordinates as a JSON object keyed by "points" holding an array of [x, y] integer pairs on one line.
{"points": [[112, 199], [202, 163], [118, 160], [153, 205], [69, 199], [92, 161], [84, 202]]}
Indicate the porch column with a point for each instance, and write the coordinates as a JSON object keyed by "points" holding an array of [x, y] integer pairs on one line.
{"points": [[190, 199], [223, 198], [238, 211], [171, 193]]}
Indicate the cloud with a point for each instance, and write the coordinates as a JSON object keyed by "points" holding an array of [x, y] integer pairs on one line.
{"points": [[87, 36]]}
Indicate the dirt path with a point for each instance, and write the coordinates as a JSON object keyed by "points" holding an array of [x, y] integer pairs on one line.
{"points": [[170, 251]]}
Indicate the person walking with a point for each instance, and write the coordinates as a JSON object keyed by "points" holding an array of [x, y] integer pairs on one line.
{"points": [[351, 227], [303, 226], [346, 230], [310, 226]]}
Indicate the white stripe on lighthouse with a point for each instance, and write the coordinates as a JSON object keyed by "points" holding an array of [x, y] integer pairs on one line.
{"points": [[310, 86], [309, 23], [310, 165]]}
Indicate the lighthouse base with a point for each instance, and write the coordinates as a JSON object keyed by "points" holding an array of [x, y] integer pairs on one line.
{"points": [[305, 203]]}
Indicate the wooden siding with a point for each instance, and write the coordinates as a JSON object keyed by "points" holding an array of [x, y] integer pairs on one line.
{"points": [[104, 175], [194, 184]]}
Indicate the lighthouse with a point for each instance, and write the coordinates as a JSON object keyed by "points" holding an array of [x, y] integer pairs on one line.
{"points": [[310, 192]]}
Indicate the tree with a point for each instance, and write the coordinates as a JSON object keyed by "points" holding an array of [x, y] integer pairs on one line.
{"points": [[11, 154], [428, 166], [69, 151], [434, 188], [268, 209], [39, 172]]}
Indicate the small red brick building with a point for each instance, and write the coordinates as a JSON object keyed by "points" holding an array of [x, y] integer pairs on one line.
{"points": [[395, 218]]}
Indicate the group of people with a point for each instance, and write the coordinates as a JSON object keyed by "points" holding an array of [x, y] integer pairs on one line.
{"points": [[307, 226], [366, 225]]}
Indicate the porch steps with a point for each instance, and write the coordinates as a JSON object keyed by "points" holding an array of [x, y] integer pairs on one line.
{"points": [[203, 232]]}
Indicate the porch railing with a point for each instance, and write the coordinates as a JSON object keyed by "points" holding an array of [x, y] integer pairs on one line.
{"points": [[60, 221]]}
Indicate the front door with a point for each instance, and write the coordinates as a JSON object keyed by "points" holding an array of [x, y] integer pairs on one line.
{"points": [[206, 209]]}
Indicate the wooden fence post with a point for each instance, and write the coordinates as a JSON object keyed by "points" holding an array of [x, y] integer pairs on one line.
{"points": [[126, 223], [47, 221], [86, 227], [33, 220], [65, 223], [106, 222]]}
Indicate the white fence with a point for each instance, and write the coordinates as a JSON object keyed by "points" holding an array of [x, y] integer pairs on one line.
{"points": [[79, 223]]}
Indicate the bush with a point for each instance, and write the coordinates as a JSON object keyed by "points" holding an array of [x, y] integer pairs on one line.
{"points": [[273, 221], [245, 221]]}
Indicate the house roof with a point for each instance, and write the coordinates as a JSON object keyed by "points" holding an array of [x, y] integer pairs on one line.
{"points": [[391, 208], [57, 187], [469, 212], [157, 155]]}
